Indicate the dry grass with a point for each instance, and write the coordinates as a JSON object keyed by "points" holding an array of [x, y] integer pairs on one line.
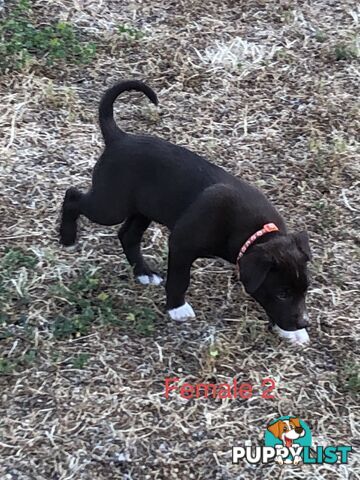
{"points": [[258, 89]]}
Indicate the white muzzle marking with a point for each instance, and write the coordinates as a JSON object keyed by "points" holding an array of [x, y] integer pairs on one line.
{"points": [[297, 336]]}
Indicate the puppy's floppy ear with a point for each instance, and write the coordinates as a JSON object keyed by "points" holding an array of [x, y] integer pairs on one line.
{"points": [[253, 268], [295, 421], [302, 242], [275, 428]]}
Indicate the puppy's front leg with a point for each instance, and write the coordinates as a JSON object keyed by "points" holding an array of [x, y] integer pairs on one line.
{"points": [[178, 279]]}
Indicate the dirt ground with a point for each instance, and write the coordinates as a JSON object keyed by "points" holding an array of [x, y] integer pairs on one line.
{"points": [[269, 91]]}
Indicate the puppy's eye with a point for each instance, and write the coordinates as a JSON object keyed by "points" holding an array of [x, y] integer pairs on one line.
{"points": [[285, 429], [283, 295]]}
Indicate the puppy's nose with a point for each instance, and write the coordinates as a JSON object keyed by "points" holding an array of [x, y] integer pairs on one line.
{"points": [[299, 430], [303, 321]]}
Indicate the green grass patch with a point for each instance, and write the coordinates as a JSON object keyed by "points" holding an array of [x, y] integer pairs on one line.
{"points": [[85, 303], [8, 365], [130, 33], [80, 361], [13, 260], [346, 51], [142, 320], [320, 36], [352, 378], [24, 40]]}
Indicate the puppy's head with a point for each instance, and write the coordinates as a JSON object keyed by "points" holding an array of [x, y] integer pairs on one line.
{"points": [[275, 274], [287, 430]]}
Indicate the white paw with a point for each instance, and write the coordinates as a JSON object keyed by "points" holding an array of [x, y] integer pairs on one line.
{"points": [[279, 460], [70, 248], [180, 314], [297, 460], [296, 336], [150, 279]]}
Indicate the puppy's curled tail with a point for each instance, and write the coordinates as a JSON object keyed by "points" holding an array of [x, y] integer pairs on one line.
{"points": [[108, 127]]}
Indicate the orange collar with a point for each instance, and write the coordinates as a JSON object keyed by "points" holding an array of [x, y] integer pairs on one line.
{"points": [[267, 228]]}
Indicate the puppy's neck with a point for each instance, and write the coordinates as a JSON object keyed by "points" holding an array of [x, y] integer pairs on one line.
{"points": [[238, 240]]}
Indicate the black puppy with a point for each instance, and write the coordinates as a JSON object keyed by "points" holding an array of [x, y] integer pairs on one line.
{"points": [[139, 179]]}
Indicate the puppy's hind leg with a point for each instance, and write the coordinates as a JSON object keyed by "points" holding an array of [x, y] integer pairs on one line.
{"points": [[69, 214], [130, 235]]}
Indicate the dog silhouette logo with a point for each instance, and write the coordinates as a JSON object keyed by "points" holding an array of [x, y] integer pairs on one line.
{"points": [[288, 434]]}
